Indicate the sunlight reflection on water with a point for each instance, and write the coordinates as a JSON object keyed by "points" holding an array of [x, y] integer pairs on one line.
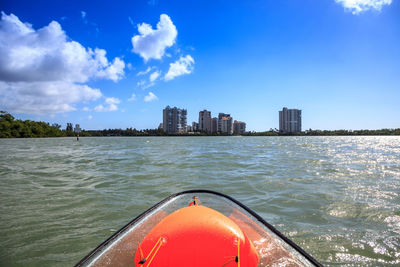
{"points": [[337, 197]]}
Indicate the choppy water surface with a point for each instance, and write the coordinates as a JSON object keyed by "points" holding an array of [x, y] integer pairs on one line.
{"points": [[337, 197]]}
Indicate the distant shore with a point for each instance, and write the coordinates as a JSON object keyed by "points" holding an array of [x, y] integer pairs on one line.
{"points": [[11, 128], [156, 132]]}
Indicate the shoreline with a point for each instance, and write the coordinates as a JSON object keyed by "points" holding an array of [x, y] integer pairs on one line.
{"points": [[185, 135]]}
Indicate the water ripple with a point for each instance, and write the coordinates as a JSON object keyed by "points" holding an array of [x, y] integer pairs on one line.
{"points": [[337, 197]]}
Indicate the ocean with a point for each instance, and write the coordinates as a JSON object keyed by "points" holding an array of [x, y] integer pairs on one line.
{"points": [[336, 197]]}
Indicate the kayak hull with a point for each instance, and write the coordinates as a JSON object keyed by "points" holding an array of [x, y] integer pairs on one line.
{"points": [[270, 246]]}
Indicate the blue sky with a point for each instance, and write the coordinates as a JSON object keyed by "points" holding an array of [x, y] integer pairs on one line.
{"points": [[117, 65]]}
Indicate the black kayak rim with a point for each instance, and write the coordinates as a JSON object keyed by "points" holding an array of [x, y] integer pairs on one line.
{"points": [[197, 191]]}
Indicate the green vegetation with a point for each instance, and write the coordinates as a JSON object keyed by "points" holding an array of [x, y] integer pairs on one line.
{"points": [[311, 132], [268, 133], [12, 128], [353, 132], [9, 127], [127, 132]]}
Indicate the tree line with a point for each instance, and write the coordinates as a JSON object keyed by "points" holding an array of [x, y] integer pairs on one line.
{"points": [[12, 128], [311, 132]]}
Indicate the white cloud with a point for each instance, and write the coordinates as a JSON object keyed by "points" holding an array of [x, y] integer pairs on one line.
{"points": [[89, 117], [114, 71], [151, 43], [112, 100], [44, 97], [154, 76], [144, 84], [132, 98], [141, 73], [141, 83], [85, 109], [184, 65], [150, 97], [358, 6], [43, 70], [110, 104], [99, 108], [148, 85]]}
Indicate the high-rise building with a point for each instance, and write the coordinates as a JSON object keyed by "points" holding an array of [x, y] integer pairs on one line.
{"points": [[290, 120], [195, 126], [174, 120], [226, 125], [239, 127], [220, 116], [205, 121], [214, 125]]}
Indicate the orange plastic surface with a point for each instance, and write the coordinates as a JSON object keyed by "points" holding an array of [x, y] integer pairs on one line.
{"points": [[196, 236]]}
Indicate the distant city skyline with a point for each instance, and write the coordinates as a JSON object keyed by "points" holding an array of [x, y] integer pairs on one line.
{"points": [[117, 65], [174, 121]]}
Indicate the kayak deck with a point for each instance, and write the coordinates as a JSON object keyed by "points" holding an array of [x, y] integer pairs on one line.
{"points": [[272, 247]]}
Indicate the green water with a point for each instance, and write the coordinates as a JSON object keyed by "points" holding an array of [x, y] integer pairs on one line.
{"points": [[337, 197]]}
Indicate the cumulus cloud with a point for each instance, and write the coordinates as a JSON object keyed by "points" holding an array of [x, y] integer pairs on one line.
{"points": [[132, 98], [112, 100], [110, 104], [184, 65], [358, 6], [114, 71], [44, 97], [154, 76], [150, 97], [44, 70], [47, 55], [151, 43]]}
